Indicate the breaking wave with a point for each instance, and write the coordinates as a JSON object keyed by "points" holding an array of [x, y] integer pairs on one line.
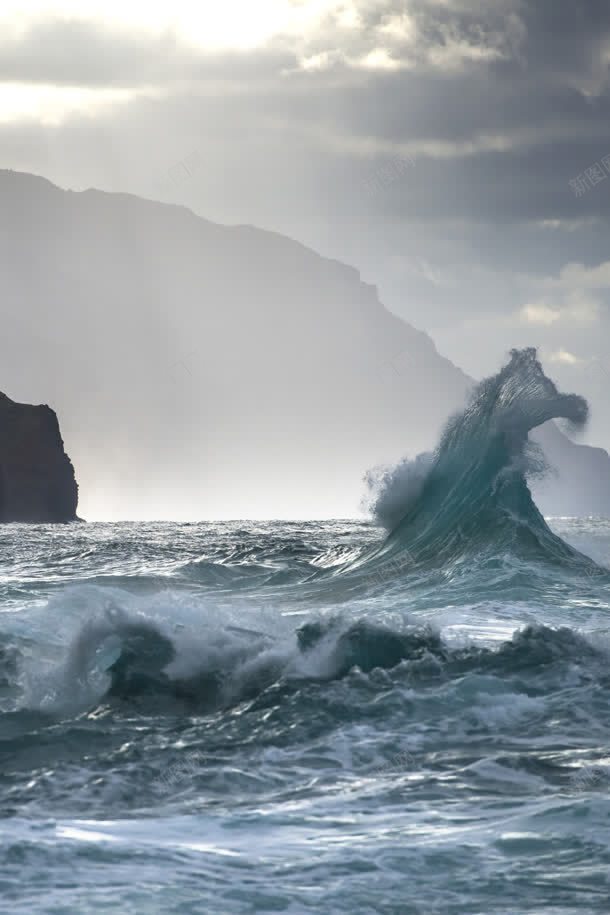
{"points": [[155, 665], [470, 496]]}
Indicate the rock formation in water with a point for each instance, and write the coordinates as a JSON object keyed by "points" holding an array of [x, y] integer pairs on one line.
{"points": [[37, 481]]}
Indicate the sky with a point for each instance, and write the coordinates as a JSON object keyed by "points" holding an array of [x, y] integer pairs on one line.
{"points": [[456, 151]]}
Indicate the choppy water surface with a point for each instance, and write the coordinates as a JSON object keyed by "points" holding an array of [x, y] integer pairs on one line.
{"points": [[312, 717]]}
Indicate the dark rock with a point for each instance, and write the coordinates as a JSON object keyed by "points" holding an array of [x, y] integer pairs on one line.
{"points": [[37, 480]]}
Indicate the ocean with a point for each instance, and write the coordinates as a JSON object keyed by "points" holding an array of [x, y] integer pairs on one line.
{"points": [[227, 717]]}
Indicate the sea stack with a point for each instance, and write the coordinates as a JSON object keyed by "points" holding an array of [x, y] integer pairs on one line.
{"points": [[37, 482]]}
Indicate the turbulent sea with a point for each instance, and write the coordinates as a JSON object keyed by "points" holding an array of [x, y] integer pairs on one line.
{"points": [[317, 716]]}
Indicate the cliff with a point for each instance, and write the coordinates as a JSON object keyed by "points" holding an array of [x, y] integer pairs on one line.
{"points": [[212, 371], [37, 480]]}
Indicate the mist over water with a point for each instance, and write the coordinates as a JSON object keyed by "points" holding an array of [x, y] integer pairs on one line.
{"points": [[210, 702]]}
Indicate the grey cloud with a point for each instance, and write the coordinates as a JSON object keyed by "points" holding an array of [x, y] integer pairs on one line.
{"points": [[87, 54]]}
